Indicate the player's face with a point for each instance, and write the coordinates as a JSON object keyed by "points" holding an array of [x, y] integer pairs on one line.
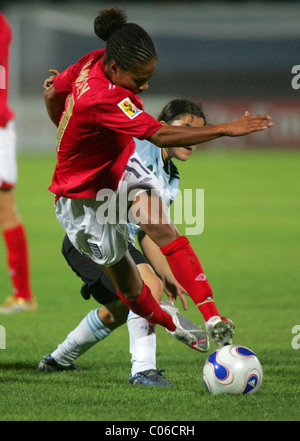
{"points": [[183, 153], [135, 81]]}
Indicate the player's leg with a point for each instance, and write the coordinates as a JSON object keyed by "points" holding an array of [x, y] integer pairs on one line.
{"points": [[107, 244], [148, 211], [142, 334], [184, 264], [123, 276], [15, 239], [94, 328], [13, 231], [98, 323], [135, 293]]}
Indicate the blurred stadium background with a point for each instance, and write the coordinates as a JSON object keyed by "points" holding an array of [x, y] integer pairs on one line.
{"points": [[232, 56]]}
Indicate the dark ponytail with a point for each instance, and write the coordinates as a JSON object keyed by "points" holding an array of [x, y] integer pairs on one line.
{"points": [[126, 43]]}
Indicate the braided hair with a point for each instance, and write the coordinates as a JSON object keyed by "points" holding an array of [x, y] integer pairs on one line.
{"points": [[127, 44]]}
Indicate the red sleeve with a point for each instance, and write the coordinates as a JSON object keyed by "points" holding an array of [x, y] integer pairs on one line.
{"points": [[121, 115], [63, 82]]}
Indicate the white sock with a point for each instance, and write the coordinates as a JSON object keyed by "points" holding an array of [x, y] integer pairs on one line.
{"points": [[90, 331], [142, 338]]}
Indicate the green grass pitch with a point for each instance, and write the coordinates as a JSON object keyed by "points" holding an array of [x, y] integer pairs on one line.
{"points": [[250, 252]]}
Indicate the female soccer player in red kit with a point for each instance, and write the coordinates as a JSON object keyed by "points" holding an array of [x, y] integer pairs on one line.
{"points": [[12, 228], [95, 105]]}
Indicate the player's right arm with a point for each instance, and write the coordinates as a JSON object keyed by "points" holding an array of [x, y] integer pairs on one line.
{"points": [[58, 87], [181, 136], [49, 81], [57, 91], [55, 103]]}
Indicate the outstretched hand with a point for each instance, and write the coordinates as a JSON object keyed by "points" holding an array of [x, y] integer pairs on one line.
{"points": [[248, 124]]}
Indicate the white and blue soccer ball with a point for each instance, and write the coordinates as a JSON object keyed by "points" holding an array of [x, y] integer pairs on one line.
{"points": [[232, 369]]}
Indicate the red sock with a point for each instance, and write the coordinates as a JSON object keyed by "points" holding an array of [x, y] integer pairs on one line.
{"points": [[146, 306], [189, 273], [18, 261]]}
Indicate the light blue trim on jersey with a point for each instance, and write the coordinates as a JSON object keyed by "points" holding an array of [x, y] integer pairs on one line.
{"points": [[151, 157]]}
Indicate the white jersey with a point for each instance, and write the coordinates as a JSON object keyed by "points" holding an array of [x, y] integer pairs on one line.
{"points": [[166, 174]]}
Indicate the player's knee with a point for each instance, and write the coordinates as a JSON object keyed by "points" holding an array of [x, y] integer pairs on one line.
{"points": [[9, 216], [8, 209], [115, 316], [129, 292], [162, 234], [130, 286]]}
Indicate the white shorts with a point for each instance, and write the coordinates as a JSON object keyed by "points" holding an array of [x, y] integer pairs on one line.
{"points": [[8, 160], [103, 241]]}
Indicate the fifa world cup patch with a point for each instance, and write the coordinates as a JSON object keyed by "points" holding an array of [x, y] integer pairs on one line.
{"points": [[129, 108], [95, 250]]}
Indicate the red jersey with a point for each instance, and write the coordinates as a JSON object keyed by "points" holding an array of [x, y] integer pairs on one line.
{"points": [[95, 134], [6, 114]]}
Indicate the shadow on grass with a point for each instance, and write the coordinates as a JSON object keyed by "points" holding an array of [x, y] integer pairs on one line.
{"points": [[18, 366]]}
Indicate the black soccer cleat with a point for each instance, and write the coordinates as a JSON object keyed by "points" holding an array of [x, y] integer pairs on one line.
{"points": [[151, 377], [48, 364]]}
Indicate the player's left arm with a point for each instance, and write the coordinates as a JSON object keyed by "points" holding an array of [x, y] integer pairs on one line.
{"points": [[171, 287], [181, 136]]}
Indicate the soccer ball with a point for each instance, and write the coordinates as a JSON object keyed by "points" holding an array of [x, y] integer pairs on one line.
{"points": [[232, 369]]}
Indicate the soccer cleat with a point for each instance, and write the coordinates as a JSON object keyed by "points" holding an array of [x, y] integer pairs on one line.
{"points": [[221, 330], [48, 364], [186, 331], [17, 304], [151, 377]]}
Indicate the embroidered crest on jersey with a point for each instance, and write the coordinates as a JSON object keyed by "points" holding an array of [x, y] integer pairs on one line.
{"points": [[95, 250], [129, 108]]}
